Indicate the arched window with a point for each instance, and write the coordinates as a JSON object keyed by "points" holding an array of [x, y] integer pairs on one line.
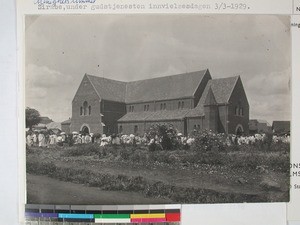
{"points": [[90, 110], [241, 112], [236, 111], [85, 107], [81, 110]]}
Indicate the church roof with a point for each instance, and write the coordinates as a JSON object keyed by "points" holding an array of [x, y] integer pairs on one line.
{"points": [[164, 88], [108, 89], [135, 116], [155, 115], [155, 89], [221, 89], [210, 98]]}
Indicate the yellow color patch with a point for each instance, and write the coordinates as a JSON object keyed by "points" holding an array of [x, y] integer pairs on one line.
{"points": [[153, 215]]}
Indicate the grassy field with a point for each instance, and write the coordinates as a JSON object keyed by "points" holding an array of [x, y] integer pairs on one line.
{"points": [[237, 174]]}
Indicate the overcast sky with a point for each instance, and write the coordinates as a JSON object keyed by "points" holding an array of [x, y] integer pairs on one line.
{"points": [[61, 49]]}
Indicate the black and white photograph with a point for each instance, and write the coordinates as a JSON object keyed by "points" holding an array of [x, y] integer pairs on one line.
{"points": [[157, 108]]}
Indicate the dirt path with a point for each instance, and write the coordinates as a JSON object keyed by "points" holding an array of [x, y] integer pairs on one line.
{"points": [[45, 190]]}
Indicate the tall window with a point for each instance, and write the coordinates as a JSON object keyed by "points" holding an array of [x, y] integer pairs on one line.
{"points": [[236, 111], [146, 107], [165, 105], [131, 108], [90, 110], [161, 106], [241, 111], [81, 110], [181, 105], [120, 129], [85, 107]]}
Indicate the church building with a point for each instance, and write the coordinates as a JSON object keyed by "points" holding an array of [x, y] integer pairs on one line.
{"points": [[187, 101]]}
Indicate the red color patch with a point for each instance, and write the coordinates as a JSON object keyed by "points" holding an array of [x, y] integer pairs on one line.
{"points": [[173, 217]]}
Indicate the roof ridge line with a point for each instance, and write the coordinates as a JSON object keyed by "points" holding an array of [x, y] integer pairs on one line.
{"points": [[237, 78], [201, 81], [106, 78], [167, 76], [93, 85]]}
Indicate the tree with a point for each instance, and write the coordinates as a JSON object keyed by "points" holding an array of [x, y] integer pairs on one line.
{"points": [[32, 117]]}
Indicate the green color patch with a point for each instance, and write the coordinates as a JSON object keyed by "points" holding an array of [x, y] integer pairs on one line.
{"points": [[111, 216]]}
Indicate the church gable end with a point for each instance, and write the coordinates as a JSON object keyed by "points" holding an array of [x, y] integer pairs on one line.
{"points": [[238, 109], [85, 107]]}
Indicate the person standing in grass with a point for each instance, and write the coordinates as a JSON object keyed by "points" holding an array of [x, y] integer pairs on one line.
{"points": [[41, 139], [29, 139], [34, 139]]}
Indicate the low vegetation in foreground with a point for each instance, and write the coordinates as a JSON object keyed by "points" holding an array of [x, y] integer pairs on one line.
{"points": [[208, 171]]}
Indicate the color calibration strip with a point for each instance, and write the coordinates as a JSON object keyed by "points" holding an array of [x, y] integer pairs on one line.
{"points": [[100, 215]]}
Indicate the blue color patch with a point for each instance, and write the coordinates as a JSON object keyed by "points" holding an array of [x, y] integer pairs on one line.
{"points": [[75, 216]]}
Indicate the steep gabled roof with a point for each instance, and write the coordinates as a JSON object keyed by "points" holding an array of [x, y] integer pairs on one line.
{"points": [[164, 88], [155, 89], [221, 88], [108, 89], [210, 98]]}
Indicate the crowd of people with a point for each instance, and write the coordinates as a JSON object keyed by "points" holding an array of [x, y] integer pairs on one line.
{"points": [[46, 139]]}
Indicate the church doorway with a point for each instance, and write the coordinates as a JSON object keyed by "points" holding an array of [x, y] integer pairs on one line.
{"points": [[85, 130], [239, 129]]}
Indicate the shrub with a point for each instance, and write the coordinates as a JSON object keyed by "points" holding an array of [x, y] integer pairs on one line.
{"points": [[82, 150], [154, 147], [125, 153], [208, 141], [167, 136]]}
